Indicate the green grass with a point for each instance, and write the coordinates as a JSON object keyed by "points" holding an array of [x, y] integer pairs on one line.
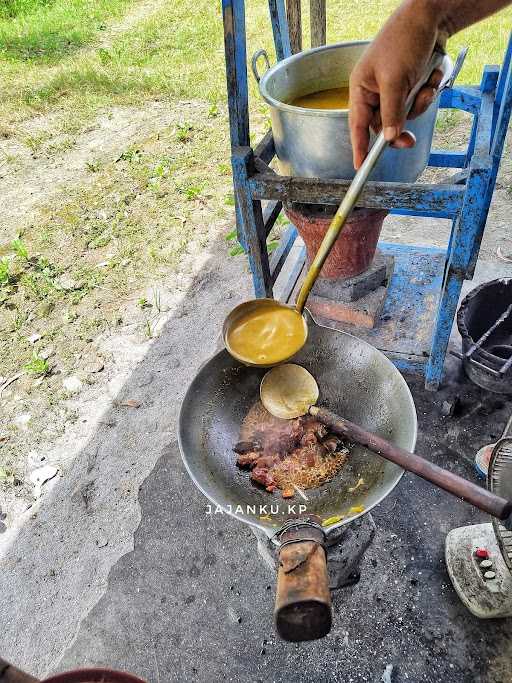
{"points": [[44, 31], [176, 52]]}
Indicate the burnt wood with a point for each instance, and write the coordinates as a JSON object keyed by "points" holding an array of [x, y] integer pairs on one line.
{"points": [[446, 199], [303, 599]]}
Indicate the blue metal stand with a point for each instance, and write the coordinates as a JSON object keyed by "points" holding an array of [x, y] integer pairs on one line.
{"points": [[424, 291]]}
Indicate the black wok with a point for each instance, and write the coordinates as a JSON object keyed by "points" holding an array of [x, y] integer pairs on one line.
{"points": [[356, 381]]}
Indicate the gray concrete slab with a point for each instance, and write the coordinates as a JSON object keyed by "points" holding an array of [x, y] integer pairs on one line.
{"points": [[193, 601]]}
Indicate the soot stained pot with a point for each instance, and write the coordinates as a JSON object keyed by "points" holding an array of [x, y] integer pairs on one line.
{"points": [[316, 143], [478, 312]]}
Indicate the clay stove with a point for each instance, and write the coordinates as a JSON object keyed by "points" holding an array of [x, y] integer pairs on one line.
{"points": [[354, 280]]}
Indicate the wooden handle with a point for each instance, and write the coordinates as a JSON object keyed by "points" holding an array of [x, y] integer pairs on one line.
{"points": [[303, 598], [10, 674], [457, 486]]}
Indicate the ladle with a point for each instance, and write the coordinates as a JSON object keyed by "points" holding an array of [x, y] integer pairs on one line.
{"points": [[250, 320], [289, 390]]}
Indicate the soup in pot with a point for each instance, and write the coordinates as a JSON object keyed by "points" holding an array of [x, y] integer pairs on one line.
{"points": [[333, 98]]}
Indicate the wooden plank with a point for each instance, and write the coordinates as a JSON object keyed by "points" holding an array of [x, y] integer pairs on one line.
{"points": [[437, 199], [405, 325], [265, 150], [464, 241], [293, 13], [279, 28], [447, 159], [270, 213], [250, 224], [466, 98], [484, 126], [318, 22], [236, 71], [289, 294], [279, 256], [505, 68]]}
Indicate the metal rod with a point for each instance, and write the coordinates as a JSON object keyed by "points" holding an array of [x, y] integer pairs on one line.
{"points": [[488, 333]]}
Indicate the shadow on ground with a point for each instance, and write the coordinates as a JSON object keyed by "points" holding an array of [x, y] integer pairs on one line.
{"points": [[192, 601]]}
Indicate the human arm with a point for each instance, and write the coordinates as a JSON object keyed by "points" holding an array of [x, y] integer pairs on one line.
{"points": [[393, 63]]}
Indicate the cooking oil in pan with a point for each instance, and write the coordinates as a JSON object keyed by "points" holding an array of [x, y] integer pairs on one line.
{"points": [[333, 98]]}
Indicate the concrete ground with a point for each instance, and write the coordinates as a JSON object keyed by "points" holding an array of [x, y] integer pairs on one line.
{"points": [[119, 564], [193, 601]]}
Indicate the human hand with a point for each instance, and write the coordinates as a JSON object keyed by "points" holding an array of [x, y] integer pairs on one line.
{"points": [[387, 72]]}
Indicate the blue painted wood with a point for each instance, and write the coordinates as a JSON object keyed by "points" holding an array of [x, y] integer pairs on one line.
{"points": [[505, 68], [252, 227], [466, 98], [280, 28], [236, 71], [437, 199], [447, 159], [288, 290], [413, 366], [417, 284], [278, 258], [422, 214], [405, 326], [498, 133], [464, 234], [483, 135], [270, 215], [443, 325], [487, 85]]}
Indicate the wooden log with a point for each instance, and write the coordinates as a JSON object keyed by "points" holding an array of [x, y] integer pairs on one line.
{"points": [[303, 599], [265, 150], [318, 22], [436, 199], [293, 13]]}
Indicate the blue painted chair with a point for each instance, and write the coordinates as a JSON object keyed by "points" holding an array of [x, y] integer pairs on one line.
{"points": [[424, 291]]}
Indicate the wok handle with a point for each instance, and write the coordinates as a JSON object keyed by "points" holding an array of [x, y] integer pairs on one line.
{"points": [[303, 599], [476, 495]]}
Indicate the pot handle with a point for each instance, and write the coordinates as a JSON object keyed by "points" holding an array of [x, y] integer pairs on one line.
{"points": [[254, 63], [303, 599]]}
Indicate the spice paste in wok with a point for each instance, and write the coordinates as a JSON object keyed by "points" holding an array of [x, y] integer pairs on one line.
{"points": [[288, 454]]}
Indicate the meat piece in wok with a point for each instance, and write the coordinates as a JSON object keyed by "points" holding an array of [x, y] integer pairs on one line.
{"points": [[288, 454]]}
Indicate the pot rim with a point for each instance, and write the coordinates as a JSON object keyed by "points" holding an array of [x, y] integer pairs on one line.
{"points": [[447, 67], [93, 674], [329, 113]]}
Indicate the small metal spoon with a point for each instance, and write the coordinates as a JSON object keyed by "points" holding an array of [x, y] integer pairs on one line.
{"points": [[349, 201]]}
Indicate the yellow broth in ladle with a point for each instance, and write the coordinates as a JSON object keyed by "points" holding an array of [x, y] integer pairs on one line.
{"points": [[264, 332]]}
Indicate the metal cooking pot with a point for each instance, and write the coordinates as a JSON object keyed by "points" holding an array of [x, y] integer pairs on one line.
{"points": [[486, 337], [315, 143]]}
